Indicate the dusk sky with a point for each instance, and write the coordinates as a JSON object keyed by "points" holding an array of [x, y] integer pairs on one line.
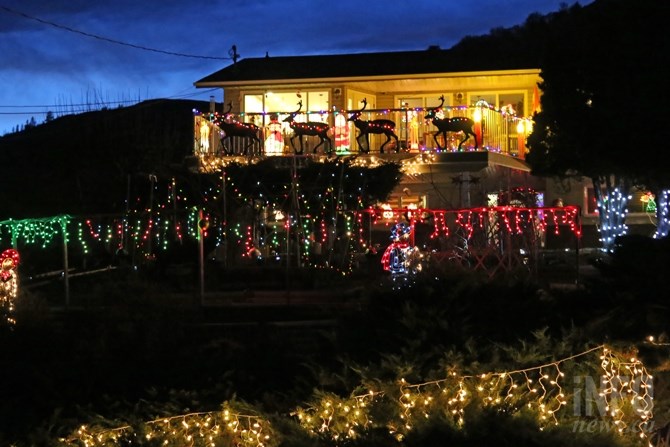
{"points": [[62, 56]]}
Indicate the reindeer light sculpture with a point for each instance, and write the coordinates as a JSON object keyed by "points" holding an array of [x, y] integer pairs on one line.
{"points": [[455, 124], [311, 129], [240, 130], [379, 127]]}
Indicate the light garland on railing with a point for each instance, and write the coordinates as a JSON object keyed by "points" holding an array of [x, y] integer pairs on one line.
{"points": [[40, 231], [151, 232], [515, 220]]}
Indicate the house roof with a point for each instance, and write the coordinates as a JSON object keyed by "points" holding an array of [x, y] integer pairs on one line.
{"points": [[351, 66]]}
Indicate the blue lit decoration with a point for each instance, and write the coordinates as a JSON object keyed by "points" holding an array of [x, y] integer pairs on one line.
{"points": [[613, 212], [663, 214]]}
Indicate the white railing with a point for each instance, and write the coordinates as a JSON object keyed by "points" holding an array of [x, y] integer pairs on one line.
{"points": [[495, 130]]}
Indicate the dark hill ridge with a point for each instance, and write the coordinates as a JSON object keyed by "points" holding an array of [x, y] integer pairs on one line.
{"points": [[80, 164]]}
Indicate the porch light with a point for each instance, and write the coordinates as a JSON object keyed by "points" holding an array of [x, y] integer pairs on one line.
{"points": [[520, 127], [388, 211], [524, 126], [411, 209], [477, 115], [477, 118]]}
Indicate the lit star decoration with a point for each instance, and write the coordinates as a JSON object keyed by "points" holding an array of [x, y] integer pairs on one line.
{"points": [[9, 283]]}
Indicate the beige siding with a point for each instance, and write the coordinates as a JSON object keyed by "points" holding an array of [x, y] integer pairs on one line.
{"points": [[385, 101]]}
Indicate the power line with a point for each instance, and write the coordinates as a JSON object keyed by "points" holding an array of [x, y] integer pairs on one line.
{"points": [[71, 105], [107, 39], [90, 106], [184, 95]]}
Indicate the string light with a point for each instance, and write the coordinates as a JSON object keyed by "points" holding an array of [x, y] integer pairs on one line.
{"points": [[211, 429], [613, 212], [626, 393], [9, 284], [663, 214]]}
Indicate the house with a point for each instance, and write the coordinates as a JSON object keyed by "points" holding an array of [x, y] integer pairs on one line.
{"points": [[401, 87], [406, 95]]}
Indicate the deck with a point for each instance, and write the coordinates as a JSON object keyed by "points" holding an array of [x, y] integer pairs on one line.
{"points": [[413, 134]]}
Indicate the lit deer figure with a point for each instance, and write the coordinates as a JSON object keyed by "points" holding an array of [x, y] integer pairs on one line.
{"points": [[379, 127], [455, 124], [238, 129], [310, 129]]}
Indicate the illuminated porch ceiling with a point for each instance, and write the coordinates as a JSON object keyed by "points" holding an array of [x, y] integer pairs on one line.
{"points": [[438, 82], [448, 82]]}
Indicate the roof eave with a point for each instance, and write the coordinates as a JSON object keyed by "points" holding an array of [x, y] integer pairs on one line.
{"points": [[258, 82]]}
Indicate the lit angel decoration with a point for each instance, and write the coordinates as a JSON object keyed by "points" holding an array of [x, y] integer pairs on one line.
{"points": [[9, 282]]}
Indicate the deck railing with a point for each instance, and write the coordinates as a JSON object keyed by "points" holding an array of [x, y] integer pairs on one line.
{"points": [[496, 131]]}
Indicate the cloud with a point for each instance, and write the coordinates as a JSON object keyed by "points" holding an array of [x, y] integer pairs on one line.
{"points": [[61, 49]]}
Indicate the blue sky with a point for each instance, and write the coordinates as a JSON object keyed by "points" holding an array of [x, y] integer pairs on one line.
{"points": [[67, 56]]}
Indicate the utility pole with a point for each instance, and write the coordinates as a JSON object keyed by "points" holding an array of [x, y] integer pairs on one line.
{"points": [[224, 195], [202, 227]]}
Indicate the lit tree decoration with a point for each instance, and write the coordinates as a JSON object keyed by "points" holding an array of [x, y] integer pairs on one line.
{"points": [[648, 203], [663, 215], [612, 210], [9, 283]]}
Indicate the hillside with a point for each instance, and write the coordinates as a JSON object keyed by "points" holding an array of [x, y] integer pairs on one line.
{"points": [[82, 163]]}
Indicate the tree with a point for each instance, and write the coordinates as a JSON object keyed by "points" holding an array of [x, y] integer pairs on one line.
{"points": [[603, 104]]}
